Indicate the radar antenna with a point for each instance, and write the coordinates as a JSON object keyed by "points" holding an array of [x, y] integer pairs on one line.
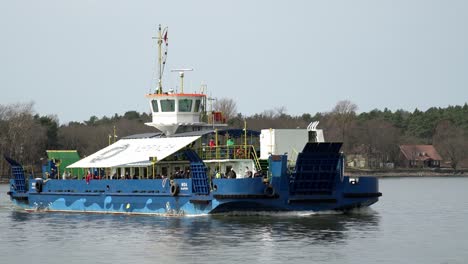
{"points": [[181, 74]]}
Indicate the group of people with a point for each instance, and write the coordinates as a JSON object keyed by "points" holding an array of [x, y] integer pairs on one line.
{"points": [[231, 150], [180, 174], [231, 174], [229, 143]]}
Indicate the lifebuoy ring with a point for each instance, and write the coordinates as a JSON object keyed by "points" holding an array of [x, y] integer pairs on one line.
{"points": [[38, 186], [269, 191], [240, 153], [174, 189]]}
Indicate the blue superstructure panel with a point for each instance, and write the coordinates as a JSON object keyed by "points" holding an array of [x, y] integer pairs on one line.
{"points": [[239, 186], [278, 165]]}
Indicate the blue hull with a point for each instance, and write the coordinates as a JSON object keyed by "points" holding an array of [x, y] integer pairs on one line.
{"points": [[154, 197], [317, 184]]}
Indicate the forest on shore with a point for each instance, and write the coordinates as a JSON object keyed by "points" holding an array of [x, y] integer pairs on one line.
{"points": [[26, 135]]}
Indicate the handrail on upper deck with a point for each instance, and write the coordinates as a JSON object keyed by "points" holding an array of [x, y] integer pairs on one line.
{"points": [[229, 152]]}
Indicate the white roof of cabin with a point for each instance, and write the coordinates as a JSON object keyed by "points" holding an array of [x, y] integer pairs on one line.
{"points": [[131, 152]]}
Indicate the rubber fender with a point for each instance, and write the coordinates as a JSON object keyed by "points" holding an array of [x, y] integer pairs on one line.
{"points": [[39, 186], [174, 189], [269, 191]]}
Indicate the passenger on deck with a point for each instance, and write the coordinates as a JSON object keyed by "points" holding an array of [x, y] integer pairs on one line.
{"points": [[231, 174], [89, 176], [65, 175], [258, 174], [212, 144], [230, 142], [229, 147], [53, 174], [218, 175], [248, 173]]}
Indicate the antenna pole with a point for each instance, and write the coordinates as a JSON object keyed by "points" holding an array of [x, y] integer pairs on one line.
{"points": [[160, 60], [181, 82], [181, 74], [115, 133]]}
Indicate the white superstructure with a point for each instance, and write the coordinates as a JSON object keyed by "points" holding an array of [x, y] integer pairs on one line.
{"points": [[170, 111], [290, 141]]}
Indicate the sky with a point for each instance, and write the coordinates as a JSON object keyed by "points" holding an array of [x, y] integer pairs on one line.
{"points": [[76, 59]]}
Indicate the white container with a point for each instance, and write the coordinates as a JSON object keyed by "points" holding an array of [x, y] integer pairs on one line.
{"points": [[287, 141]]}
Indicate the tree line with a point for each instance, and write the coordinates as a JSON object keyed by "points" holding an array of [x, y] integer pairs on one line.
{"points": [[26, 135], [376, 134]]}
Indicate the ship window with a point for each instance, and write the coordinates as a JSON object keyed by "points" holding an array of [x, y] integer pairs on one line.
{"points": [[154, 103], [185, 105], [167, 105], [197, 105]]}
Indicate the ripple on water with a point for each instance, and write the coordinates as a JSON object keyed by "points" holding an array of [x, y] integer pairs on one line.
{"points": [[422, 220]]}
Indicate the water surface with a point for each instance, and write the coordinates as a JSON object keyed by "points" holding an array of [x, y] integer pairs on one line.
{"points": [[418, 220]]}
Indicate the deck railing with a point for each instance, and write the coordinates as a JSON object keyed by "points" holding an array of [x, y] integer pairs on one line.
{"points": [[229, 152]]}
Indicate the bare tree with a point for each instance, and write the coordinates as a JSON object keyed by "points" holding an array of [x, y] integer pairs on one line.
{"points": [[88, 139], [341, 117], [380, 141], [227, 106], [21, 137], [451, 141], [281, 111], [344, 111]]}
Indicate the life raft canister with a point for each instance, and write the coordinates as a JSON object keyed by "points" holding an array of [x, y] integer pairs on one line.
{"points": [[174, 189]]}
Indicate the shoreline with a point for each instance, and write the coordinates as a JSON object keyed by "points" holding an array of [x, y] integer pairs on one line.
{"points": [[406, 173]]}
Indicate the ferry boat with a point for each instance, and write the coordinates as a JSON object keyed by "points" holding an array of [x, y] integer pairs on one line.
{"points": [[194, 164]]}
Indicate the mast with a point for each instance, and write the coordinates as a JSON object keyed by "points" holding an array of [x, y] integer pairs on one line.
{"points": [[162, 37], [160, 60]]}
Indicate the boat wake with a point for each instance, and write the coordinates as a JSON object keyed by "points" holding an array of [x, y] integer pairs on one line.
{"points": [[279, 213]]}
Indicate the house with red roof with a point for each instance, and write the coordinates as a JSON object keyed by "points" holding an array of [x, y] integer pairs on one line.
{"points": [[420, 156]]}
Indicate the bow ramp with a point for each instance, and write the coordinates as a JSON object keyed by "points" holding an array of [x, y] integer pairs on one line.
{"points": [[19, 180], [318, 168]]}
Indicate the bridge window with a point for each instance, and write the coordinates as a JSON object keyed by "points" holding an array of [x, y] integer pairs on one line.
{"points": [[197, 106], [185, 105], [167, 105], [154, 103]]}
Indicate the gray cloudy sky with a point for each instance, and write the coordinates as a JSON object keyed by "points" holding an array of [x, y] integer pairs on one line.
{"points": [[76, 59]]}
